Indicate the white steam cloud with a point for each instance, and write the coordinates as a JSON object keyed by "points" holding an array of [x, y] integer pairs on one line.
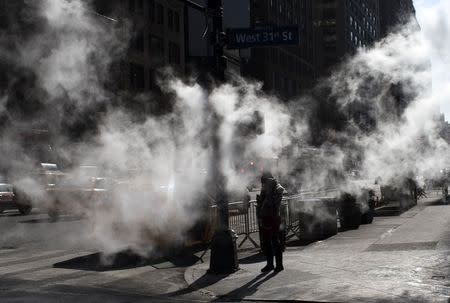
{"points": [[160, 164]]}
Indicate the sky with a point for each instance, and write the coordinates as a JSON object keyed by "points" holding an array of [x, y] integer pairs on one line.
{"points": [[433, 18]]}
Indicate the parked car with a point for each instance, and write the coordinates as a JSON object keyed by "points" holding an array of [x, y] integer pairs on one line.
{"points": [[13, 199]]}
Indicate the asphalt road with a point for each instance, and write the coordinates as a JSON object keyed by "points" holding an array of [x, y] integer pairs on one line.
{"points": [[45, 261]]}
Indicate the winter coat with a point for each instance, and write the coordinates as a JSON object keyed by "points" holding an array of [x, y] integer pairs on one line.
{"points": [[269, 206]]}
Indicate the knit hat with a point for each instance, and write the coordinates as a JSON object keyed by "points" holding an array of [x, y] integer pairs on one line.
{"points": [[266, 175]]}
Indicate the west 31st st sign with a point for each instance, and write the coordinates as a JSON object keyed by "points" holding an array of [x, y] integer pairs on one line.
{"points": [[249, 37]]}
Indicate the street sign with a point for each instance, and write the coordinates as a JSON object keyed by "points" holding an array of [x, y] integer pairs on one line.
{"points": [[252, 37]]}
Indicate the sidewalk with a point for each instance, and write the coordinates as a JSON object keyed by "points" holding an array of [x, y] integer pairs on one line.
{"points": [[395, 259]]}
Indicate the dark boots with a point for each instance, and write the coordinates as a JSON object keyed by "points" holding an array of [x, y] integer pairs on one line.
{"points": [[272, 247], [267, 268], [279, 262]]}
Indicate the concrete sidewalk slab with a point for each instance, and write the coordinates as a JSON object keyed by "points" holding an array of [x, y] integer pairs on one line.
{"points": [[433, 222]]}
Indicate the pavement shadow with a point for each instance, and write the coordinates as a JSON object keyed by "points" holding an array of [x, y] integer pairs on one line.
{"points": [[204, 281], [299, 242], [247, 289], [255, 258], [344, 229], [128, 259], [50, 220], [436, 203]]}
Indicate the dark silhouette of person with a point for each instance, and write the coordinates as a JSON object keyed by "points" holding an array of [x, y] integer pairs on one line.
{"points": [[268, 210]]}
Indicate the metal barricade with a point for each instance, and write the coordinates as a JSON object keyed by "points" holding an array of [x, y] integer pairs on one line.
{"points": [[243, 219], [290, 211]]}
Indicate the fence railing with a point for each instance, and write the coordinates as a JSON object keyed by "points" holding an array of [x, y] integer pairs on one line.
{"points": [[243, 217]]}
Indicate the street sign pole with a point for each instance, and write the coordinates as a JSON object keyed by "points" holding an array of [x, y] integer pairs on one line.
{"points": [[223, 247]]}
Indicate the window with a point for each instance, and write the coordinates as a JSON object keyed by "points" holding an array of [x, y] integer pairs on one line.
{"points": [[170, 19], [176, 19], [159, 14], [174, 53]]}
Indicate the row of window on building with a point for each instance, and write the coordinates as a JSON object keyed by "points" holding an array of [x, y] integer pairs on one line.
{"points": [[286, 12], [359, 6], [365, 30]]}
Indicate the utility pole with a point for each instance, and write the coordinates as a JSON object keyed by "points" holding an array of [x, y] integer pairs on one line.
{"points": [[223, 246]]}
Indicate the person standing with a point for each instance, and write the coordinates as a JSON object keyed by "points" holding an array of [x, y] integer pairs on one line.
{"points": [[268, 210]]}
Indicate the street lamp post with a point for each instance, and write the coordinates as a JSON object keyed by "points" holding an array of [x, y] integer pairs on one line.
{"points": [[223, 246]]}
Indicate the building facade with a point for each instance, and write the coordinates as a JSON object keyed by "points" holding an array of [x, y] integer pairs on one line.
{"points": [[284, 70], [341, 27], [157, 39], [394, 13]]}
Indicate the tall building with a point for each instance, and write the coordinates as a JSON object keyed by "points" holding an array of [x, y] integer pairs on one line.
{"points": [[342, 26], [394, 13], [158, 39], [285, 70]]}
